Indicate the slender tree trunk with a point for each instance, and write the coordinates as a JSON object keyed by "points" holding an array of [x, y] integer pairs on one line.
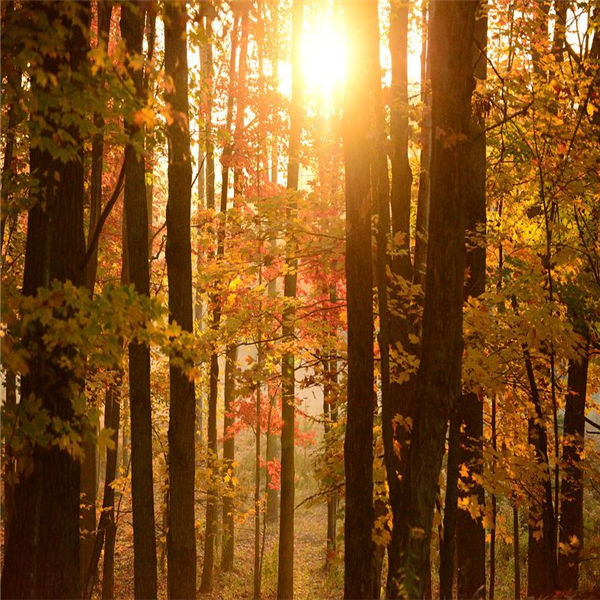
{"points": [[285, 573], [209, 158], [361, 20], [494, 509], [541, 553], [228, 460], [422, 225], [106, 527], [571, 497], [181, 538], [438, 378], [470, 532], [257, 433], [114, 406], [14, 77], [136, 211], [88, 466], [331, 416], [448, 541], [42, 551], [206, 584], [9, 459], [516, 553]]}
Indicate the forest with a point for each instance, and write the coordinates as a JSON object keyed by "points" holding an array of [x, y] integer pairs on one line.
{"points": [[300, 299]]}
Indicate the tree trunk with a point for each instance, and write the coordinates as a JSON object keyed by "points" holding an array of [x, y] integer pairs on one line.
{"points": [[42, 551], [13, 84], [541, 551], [448, 540], [88, 466], [516, 553], [422, 225], [285, 573], [331, 416], [106, 527], [438, 378], [470, 533], [181, 538], [571, 494], [493, 499], [136, 211], [207, 194], [206, 583], [361, 20], [108, 566], [396, 398], [257, 570], [228, 460]]}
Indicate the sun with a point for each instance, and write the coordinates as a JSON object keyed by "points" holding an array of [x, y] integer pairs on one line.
{"points": [[323, 58]]}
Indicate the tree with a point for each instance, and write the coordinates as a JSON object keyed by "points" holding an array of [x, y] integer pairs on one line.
{"points": [[42, 550], [466, 424], [361, 19], [439, 374], [571, 505], [88, 467], [211, 504], [136, 218], [285, 573], [181, 538]]}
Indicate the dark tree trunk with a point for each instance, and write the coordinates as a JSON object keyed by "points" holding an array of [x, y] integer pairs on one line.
{"points": [[330, 411], [571, 493], [516, 553], [42, 551], [208, 200], [136, 213], [113, 410], [401, 172], [448, 540], [285, 573], [422, 224], [228, 460], [181, 538], [361, 20], [257, 570], [88, 466], [210, 534], [541, 551], [470, 533], [13, 86], [439, 375], [106, 531]]}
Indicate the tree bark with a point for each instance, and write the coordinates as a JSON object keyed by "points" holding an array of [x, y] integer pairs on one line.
{"points": [[285, 573], [438, 378], [516, 553], [88, 466], [228, 460], [541, 551], [470, 533], [571, 493], [361, 20], [181, 538], [448, 540], [422, 224], [42, 551], [206, 583], [136, 216]]}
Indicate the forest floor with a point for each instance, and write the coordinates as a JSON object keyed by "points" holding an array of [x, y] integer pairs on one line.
{"points": [[311, 579]]}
